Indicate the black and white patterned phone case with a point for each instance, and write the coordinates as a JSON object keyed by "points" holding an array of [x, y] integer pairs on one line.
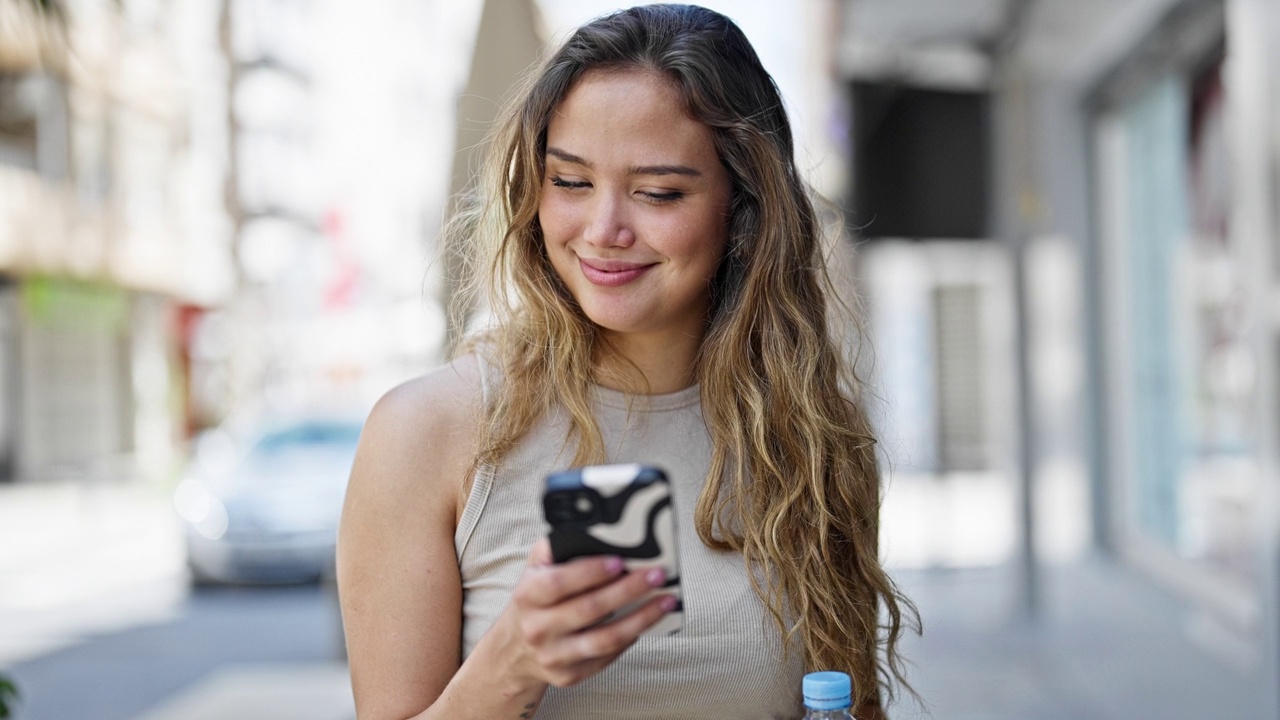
{"points": [[622, 510]]}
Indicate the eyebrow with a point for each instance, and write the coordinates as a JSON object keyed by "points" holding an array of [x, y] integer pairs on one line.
{"points": [[635, 169]]}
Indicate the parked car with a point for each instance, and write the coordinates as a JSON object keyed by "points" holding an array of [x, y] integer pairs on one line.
{"points": [[266, 510]]}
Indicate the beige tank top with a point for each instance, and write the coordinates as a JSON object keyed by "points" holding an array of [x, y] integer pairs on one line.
{"points": [[727, 661]]}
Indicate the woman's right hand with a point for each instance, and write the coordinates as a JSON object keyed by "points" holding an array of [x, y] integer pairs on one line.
{"points": [[549, 633]]}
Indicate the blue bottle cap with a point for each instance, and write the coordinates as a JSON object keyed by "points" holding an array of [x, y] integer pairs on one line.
{"points": [[827, 690]]}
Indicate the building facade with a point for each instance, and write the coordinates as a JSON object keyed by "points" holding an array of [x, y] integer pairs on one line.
{"points": [[1131, 241], [105, 232]]}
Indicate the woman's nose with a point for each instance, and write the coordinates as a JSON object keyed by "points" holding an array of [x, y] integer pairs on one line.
{"points": [[609, 225]]}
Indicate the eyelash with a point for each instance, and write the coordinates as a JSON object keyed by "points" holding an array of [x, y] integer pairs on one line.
{"points": [[572, 185], [666, 197], [657, 198]]}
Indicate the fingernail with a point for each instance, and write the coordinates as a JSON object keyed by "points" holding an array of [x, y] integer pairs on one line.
{"points": [[613, 564], [656, 577], [668, 603]]}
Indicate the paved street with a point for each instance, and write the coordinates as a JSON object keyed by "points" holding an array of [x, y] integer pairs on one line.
{"points": [[97, 621], [227, 653], [1107, 646]]}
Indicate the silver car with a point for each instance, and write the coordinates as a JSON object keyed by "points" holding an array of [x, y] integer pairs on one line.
{"points": [[268, 514]]}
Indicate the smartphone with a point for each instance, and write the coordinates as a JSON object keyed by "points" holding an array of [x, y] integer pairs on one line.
{"points": [[622, 510]]}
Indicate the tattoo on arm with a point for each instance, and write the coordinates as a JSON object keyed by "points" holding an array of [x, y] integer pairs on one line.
{"points": [[529, 710]]}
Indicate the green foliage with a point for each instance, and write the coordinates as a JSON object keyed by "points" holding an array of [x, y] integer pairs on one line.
{"points": [[8, 694]]}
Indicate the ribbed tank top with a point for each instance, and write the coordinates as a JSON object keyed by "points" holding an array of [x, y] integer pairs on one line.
{"points": [[727, 661]]}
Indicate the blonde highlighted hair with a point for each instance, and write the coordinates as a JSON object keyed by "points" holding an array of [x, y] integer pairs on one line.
{"points": [[793, 484]]}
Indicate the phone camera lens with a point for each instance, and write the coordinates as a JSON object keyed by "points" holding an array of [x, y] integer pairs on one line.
{"points": [[583, 505], [560, 508]]}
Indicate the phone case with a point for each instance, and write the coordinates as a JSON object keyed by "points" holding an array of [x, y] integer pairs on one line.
{"points": [[622, 510]]}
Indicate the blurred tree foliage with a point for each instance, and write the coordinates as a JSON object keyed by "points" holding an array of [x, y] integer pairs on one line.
{"points": [[8, 694]]}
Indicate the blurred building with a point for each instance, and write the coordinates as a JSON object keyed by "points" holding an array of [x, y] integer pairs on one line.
{"points": [[341, 126], [109, 225], [214, 211], [211, 212], [1070, 212]]}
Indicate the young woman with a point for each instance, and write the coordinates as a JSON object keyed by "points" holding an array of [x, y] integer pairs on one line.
{"points": [[658, 277]]}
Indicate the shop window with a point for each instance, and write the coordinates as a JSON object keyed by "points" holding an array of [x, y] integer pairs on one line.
{"points": [[1182, 371]]}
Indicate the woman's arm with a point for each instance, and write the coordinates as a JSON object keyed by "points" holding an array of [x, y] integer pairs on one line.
{"points": [[401, 591], [398, 580]]}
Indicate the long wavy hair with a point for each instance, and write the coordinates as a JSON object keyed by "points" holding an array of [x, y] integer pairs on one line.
{"points": [[793, 484]]}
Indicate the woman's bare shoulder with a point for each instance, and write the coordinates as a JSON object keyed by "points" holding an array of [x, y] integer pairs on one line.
{"points": [[425, 429], [449, 395]]}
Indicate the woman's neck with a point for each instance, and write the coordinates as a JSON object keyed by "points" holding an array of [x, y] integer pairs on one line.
{"points": [[654, 365]]}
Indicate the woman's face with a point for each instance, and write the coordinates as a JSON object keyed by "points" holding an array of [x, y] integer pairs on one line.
{"points": [[634, 204]]}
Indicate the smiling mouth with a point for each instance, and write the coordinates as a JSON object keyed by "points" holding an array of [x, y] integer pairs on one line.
{"points": [[612, 273]]}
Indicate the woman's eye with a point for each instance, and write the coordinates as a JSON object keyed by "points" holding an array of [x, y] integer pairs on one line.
{"points": [[663, 197], [571, 184]]}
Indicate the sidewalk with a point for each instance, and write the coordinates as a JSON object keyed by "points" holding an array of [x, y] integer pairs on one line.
{"points": [[92, 579], [83, 558], [315, 691], [1109, 646]]}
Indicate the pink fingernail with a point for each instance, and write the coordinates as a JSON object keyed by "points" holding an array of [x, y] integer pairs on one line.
{"points": [[656, 577], [668, 603], [613, 564]]}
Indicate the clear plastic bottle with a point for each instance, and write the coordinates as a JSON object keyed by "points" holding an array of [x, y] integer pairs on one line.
{"points": [[828, 696]]}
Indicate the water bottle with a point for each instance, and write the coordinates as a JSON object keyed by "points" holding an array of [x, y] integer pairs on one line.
{"points": [[828, 696]]}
